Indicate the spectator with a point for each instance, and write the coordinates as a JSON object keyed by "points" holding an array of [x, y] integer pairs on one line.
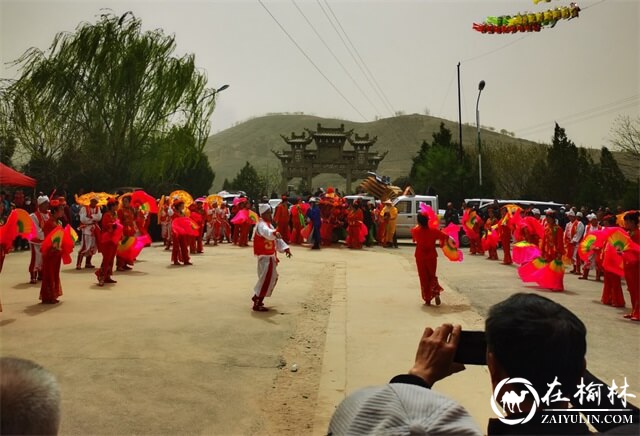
{"points": [[451, 215], [406, 406], [30, 398], [528, 336]]}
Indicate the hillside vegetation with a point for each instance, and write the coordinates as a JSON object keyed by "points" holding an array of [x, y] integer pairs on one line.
{"points": [[253, 141], [402, 136]]}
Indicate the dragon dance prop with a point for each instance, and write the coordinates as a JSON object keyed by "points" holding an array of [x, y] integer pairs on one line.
{"points": [[18, 223], [62, 240], [528, 21]]}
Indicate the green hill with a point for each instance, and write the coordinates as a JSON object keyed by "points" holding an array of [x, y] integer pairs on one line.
{"points": [[402, 136], [253, 141]]}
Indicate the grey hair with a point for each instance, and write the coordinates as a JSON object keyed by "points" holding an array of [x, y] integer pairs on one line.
{"points": [[29, 398]]}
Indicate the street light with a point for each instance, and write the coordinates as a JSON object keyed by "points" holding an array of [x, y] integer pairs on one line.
{"points": [[480, 88]]}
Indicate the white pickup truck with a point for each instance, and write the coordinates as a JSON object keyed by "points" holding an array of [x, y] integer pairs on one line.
{"points": [[408, 208]]}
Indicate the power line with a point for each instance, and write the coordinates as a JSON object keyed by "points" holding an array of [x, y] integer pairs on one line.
{"points": [[588, 117], [311, 61], [336, 58], [588, 113], [349, 50], [359, 57]]}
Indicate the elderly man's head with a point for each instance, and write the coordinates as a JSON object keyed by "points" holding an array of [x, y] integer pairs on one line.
{"points": [[30, 398], [533, 337]]}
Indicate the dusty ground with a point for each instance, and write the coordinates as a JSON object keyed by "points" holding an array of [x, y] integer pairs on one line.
{"points": [[177, 350]]}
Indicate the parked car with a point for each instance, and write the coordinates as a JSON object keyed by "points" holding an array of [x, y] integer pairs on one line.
{"points": [[361, 198], [484, 203], [408, 208]]}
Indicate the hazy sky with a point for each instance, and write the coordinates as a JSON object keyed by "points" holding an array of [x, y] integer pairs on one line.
{"points": [[582, 73]]}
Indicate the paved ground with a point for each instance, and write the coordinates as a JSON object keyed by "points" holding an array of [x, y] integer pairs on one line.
{"points": [[176, 350]]}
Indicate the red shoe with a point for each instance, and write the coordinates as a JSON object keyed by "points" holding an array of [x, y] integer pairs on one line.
{"points": [[257, 308], [177, 263], [188, 263], [110, 280], [627, 316], [78, 266], [89, 266]]}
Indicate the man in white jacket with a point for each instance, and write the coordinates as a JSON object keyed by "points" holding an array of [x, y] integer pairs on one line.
{"points": [[266, 241], [90, 217]]}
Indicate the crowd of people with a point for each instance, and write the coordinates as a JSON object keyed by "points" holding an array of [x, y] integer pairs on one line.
{"points": [[118, 228], [544, 244]]}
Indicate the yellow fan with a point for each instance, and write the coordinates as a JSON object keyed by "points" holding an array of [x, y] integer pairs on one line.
{"points": [[214, 198], [85, 199], [182, 195]]}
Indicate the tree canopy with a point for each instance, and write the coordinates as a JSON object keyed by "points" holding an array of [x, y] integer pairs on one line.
{"points": [[111, 105]]}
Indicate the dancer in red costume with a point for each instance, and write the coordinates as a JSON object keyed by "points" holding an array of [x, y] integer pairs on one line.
{"points": [[127, 216], [492, 246], [51, 287], [505, 236], [180, 251], [612, 286], [108, 243], [281, 219], [245, 227], [39, 218], [427, 258], [198, 215], [632, 266], [552, 244], [573, 233], [592, 261], [475, 245], [354, 229], [297, 222]]}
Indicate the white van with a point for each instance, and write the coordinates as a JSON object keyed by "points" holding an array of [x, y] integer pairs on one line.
{"points": [[408, 209]]}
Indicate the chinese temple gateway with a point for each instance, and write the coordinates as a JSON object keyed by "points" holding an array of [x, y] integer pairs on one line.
{"points": [[329, 155]]}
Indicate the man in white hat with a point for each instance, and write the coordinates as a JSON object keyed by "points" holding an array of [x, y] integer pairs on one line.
{"points": [[90, 216], [39, 217], [572, 236], [266, 241]]}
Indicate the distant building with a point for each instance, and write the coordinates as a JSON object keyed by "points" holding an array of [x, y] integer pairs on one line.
{"points": [[329, 155]]}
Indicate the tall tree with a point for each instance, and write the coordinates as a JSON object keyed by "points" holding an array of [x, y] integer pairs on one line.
{"points": [[625, 135], [247, 180], [104, 106], [561, 182], [612, 182], [437, 168]]}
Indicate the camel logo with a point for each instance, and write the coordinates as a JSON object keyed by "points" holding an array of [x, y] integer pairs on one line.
{"points": [[512, 399]]}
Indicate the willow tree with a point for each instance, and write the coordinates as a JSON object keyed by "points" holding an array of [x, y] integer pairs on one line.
{"points": [[110, 105]]}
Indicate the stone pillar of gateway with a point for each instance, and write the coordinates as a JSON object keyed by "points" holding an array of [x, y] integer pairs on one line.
{"points": [[328, 156]]}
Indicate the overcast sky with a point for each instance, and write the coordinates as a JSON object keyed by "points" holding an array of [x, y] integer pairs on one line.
{"points": [[582, 73]]}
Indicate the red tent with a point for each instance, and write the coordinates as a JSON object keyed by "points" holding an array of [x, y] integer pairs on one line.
{"points": [[10, 177]]}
